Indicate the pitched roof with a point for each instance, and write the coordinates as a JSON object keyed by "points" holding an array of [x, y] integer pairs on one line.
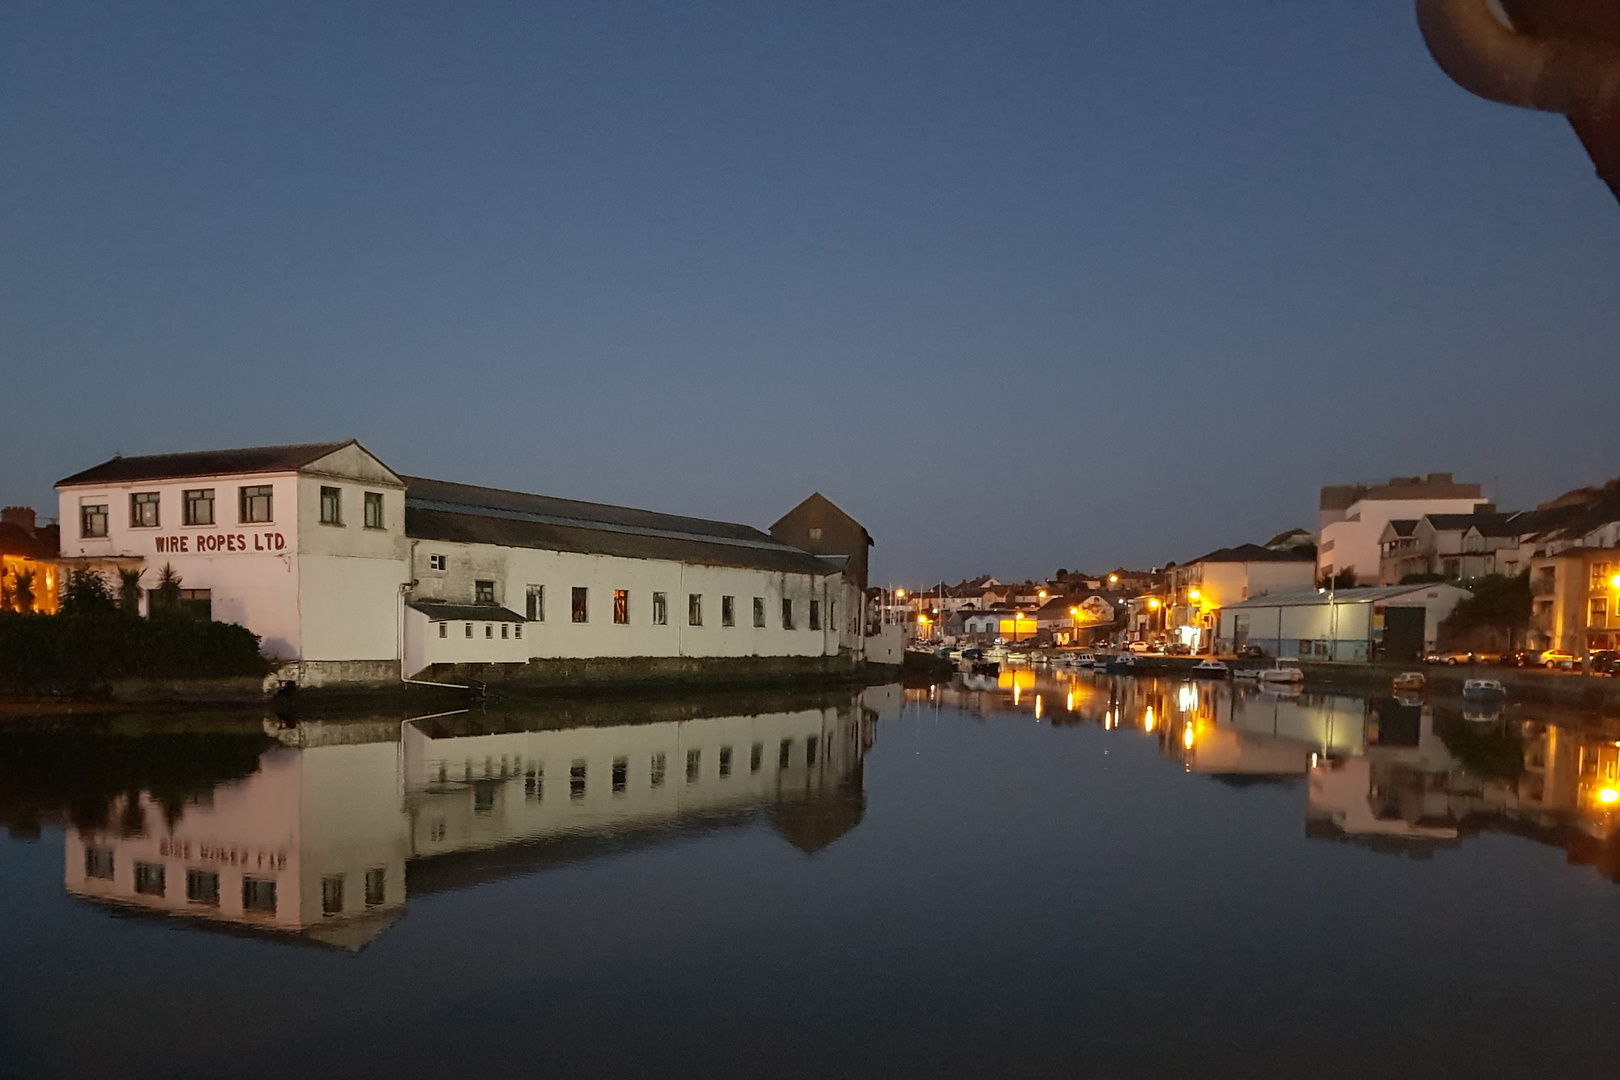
{"points": [[1403, 526], [252, 459], [15, 540], [1313, 598], [1247, 553]]}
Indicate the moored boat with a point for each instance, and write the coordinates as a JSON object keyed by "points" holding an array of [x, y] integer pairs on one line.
{"points": [[1484, 690], [1409, 682], [1285, 670], [1210, 669]]}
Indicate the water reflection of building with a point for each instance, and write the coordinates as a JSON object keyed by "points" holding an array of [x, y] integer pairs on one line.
{"points": [[325, 842]]}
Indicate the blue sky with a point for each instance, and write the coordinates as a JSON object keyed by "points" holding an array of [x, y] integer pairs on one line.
{"points": [[1020, 285]]}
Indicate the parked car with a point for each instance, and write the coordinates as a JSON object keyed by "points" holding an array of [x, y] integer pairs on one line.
{"points": [[1558, 658], [1176, 648], [1140, 647], [1451, 656], [1606, 662]]}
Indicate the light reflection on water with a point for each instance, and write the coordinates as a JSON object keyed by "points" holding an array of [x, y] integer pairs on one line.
{"points": [[1014, 876]]}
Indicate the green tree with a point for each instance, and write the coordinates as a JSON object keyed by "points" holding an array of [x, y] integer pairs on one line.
{"points": [[86, 593], [22, 590], [166, 598], [1499, 602], [129, 590]]}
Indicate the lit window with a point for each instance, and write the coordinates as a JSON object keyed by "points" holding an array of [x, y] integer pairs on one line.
{"points": [[815, 534], [149, 878], [815, 614], [256, 504], [436, 562], [202, 887], [580, 608], [621, 606], [483, 592], [660, 609], [534, 603], [143, 510], [728, 611], [787, 614], [374, 517], [331, 506], [197, 506], [93, 520], [259, 895], [332, 894], [376, 886], [1598, 614], [759, 611]]}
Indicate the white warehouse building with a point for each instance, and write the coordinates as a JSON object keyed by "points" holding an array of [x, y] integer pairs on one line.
{"points": [[351, 573]]}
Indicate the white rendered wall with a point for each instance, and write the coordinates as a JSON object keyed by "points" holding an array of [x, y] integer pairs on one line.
{"points": [[1353, 542], [349, 575]]}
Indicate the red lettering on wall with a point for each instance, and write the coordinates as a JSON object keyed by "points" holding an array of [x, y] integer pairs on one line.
{"points": [[256, 545], [182, 544], [280, 542]]}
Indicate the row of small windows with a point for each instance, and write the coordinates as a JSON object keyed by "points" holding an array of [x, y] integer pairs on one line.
{"points": [[579, 607], [508, 630], [255, 505], [534, 779], [258, 894]]}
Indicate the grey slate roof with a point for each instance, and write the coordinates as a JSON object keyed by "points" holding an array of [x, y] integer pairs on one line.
{"points": [[1247, 553], [252, 459], [442, 612]]}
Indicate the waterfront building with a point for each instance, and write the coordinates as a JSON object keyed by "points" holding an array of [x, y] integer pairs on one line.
{"points": [[352, 573], [1396, 622], [1198, 590], [28, 580], [1352, 518]]}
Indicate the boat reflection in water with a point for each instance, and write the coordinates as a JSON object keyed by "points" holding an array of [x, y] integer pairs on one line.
{"points": [[341, 823], [1396, 774]]}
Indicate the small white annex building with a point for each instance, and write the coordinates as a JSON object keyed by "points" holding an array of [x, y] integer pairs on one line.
{"points": [[1396, 622], [352, 573]]}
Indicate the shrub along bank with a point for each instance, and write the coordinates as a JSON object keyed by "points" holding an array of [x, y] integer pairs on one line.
{"points": [[77, 653]]}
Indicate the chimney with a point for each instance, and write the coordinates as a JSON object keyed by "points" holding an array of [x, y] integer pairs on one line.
{"points": [[20, 516]]}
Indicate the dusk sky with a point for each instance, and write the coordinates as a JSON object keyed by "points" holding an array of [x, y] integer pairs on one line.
{"points": [[1020, 286]]}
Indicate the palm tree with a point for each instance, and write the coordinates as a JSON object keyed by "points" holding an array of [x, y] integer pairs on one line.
{"points": [[167, 594], [24, 590], [129, 590]]}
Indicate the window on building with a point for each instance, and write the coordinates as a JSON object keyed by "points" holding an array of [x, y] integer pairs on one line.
{"points": [[1598, 613], [506, 629], [815, 614], [660, 609], [759, 611], [483, 592], [655, 772], [469, 628], [580, 610], [444, 629], [376, 886], [149, 878], [811, 746], [98, 862], [756, 755], [437, 562], [93, 520], [256, 504], [621, 775], [725, 762], [199, 602], [197, 506], [202, 887], [259, 895], [143, 510], [694, 609], [787, 614], [331, 506], [576, 779], [489, 630], [374, 517], [728, 611], [694, 765], [621, 606], [332, 894], [1600, 575], [534, 603], [784, 754], [517, 630], [815, 534]]}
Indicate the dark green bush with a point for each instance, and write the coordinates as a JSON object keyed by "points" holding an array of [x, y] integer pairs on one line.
{"points": [[76, 652]]}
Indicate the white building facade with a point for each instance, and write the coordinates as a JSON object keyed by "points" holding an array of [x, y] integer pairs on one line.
{"points": [[1353, 519], [350, 573]]}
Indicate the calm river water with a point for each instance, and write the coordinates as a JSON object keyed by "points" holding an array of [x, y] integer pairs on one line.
{"points": [[1031, 876]]}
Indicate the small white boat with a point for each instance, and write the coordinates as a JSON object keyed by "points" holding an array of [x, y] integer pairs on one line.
{"points": [[1484, 690], [1210, 669], [1283, 671], [1247, 674], [1409, 682]]}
